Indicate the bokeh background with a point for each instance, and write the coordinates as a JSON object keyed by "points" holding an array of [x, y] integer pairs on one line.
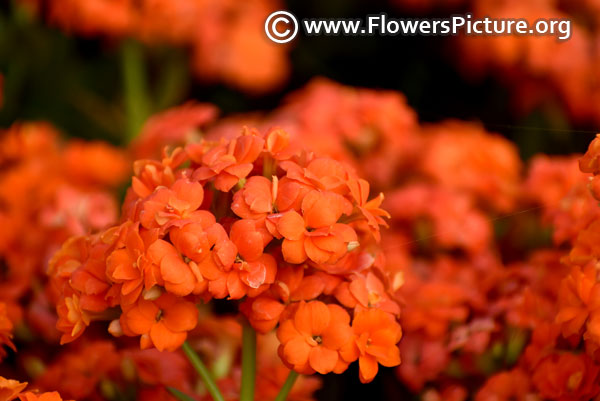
{"points": [[76, 82]]}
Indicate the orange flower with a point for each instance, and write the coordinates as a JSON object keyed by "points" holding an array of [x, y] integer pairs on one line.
{"points": [[174, 206], [230, 162], [463, 156], [72, 319], [255, 200], [507, 386], [130, 266], [152, 174], [317, 337], [263, 312], [434, 306], [175, 126], [422, 360], [9, 389], [162, 323], [567, 376], [316, 234], [578, 296], [590, 162], [29, 396], [175, 274], [77, 371], [585, 247], [377, 335], [95, 163], [252, 271], [366, 292], [161, 368]]}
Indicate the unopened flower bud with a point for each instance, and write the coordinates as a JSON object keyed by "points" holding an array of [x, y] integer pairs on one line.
{"points": [[352, 245], [152, 294], [115, 328]]}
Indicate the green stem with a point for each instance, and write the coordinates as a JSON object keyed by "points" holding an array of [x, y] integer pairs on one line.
{"points": [[248, 362], [203, 371], [137, 99], [181, 396], [287, 386]]}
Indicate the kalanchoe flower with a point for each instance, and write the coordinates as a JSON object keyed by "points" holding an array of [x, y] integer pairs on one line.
{"points": [[254, 218]]}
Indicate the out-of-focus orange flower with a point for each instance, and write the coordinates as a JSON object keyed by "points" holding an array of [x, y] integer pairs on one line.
{"points": [[463, 156], [229, 45], [375, 131], [455, 220], [162, 323], [567, 376], [434, 306], [173, 127], [422, 360], [161, 368], [95, 163], [506, 386], [77, 372], [226, 38]]}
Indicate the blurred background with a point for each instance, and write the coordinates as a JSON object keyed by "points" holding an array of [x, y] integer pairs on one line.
{"points": [[73, 77]]}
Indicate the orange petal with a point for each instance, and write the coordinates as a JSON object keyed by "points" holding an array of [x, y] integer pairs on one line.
{"points": [[165, 339], [141, 317], [323, 359], [367, 368], [296, 351], [293, 251], [183, 316], [312, 318], [291, 225]]}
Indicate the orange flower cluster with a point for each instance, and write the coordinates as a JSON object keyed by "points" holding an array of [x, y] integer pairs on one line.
{"points": [[467, 254], [291, 233], [48, 192], [492, 262], [226, 38]]}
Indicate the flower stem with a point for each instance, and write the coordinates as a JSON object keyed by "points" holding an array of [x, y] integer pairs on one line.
{"points": [[248, 362], [137, 99], [287, 386], [181, 396], [203, 371]]}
